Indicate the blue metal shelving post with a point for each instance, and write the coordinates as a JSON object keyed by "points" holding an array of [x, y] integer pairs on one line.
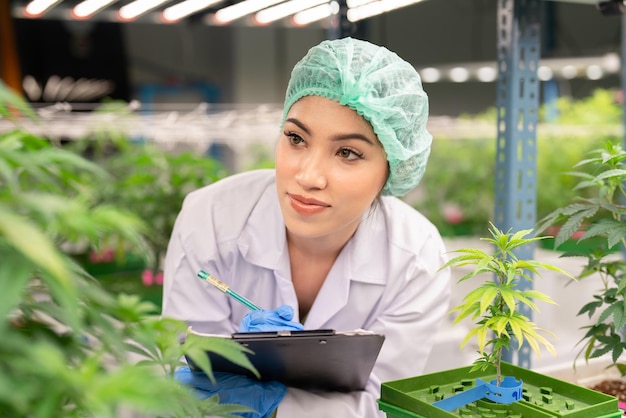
{"points": [[518, 43]]}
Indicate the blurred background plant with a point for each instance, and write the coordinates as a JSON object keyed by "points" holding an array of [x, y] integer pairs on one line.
{"points": [[149, 181], [65, 341], [457, 192], [597, 218], [152, 183]]}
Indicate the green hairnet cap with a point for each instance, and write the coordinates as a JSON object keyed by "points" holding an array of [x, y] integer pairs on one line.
{"points": [[380, 86]]}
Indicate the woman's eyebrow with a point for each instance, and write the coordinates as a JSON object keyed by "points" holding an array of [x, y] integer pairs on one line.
{"points": [[345, 137], [299, 125], [340, 137]]}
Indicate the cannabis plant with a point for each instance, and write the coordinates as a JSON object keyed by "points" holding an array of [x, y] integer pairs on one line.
{"points": [[67, 347], [602, 176], [494, 305], [146, 178], [152, 182]]}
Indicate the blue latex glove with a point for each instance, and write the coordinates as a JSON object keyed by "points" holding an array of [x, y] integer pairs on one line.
{"points": [[263, 397], [278, 319]]}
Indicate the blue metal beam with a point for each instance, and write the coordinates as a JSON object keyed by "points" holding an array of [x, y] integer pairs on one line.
{"points": [[518, 43]]}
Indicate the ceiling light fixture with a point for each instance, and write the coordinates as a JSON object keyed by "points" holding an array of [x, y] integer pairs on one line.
{"points": [[611, 62], [238, 10], [375, 8], [545, 73], [430, 75], [137, 8], [569, 72], [486, 74], [594, 72], [285, 9], [39, 7], [314, 14], [90, 7], [178, 11], [459, 74]]}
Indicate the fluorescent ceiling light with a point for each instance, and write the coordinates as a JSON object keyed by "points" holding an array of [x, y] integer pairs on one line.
{"points": [[594, 72], [569, 72], [376, 7], [611, 62], [430, 75], [314, 14], [486, 74], [545, 73], [31, 87], [138, 7], [89, 7], [38, 7], [459, 74], [185, 8], [285, 9], [230, 13]]}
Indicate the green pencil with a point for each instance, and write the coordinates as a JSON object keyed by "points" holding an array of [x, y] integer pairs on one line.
{"points": [[226, 289]]}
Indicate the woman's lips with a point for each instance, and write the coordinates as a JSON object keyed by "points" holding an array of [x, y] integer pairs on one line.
{"points": [[306, 206]]}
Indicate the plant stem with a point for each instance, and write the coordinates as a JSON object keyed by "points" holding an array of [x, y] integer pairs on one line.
{"points": [[499, 367]]}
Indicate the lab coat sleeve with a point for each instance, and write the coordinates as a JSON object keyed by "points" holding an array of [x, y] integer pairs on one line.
{"points": [[410, 316]]}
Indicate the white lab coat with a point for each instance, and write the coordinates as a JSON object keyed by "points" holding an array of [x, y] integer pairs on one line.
{"points": [[385, 280]]}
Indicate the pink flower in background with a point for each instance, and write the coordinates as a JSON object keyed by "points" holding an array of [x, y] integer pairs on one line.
{"points": [[553, 231], [452, 213], [103, 256], [147, 278]]}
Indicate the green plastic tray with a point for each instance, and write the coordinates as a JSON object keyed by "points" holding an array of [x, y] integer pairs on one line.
{"points": [[544, 396]]}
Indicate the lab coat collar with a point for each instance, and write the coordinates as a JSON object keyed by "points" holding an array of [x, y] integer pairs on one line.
{"points": [[361, 260], [263, 241]]}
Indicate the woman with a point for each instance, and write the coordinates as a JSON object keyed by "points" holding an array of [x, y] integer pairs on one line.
{"points": [[319, 232]]}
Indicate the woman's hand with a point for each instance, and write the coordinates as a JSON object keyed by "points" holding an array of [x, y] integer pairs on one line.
{"points": [[262, 397], [278, 319]]}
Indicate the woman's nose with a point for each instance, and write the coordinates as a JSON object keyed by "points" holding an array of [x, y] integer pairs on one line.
{"points": [[312, 172]]}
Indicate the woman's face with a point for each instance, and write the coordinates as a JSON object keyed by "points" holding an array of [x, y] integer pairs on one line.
{"points": [[330, 167]]}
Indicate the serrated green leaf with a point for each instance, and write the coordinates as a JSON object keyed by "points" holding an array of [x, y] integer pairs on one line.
{"points": [[508, 295], [15, 274], [572, 225], [537, 295], [490, 292], [589, 308], [31, 242], [196, 346], [614, 310], [599, 352], [614, 173]]}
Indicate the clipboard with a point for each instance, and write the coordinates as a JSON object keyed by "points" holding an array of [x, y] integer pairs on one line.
{"points": [[311, 359]]}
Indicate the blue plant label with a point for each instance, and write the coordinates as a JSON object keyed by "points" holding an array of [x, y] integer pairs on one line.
{"points": [[509, 391]]}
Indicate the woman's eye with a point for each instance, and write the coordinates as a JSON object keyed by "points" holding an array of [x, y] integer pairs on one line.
{"points": [[294, 139], [349, 154]]}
